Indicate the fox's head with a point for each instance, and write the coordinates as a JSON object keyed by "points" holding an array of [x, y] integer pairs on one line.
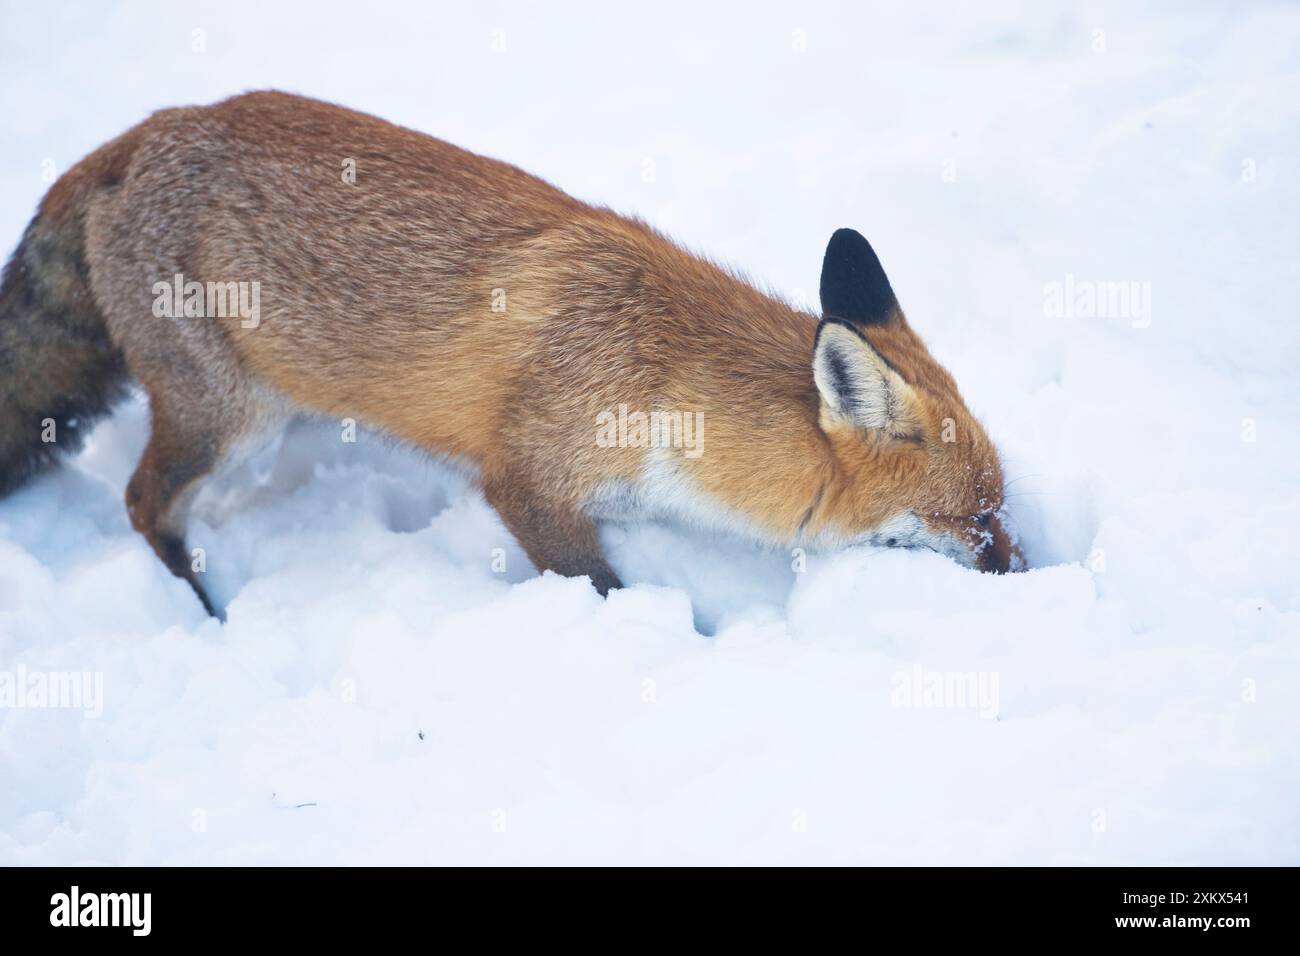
{"points": [[914, 467]]}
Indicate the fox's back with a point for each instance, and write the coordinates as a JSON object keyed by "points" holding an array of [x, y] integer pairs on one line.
{"points": [[375, 247]]}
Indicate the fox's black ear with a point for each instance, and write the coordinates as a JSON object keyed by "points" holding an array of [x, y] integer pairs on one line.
{"points": [[854, 287]]}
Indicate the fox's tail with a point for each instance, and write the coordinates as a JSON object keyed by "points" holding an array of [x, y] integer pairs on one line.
{"points": [[58, 368]]}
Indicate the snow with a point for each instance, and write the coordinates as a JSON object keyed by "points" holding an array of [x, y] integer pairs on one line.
{"points": [[380, 694]]}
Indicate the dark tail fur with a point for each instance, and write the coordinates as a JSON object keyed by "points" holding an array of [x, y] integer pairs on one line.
{"points": [[58, 368]]}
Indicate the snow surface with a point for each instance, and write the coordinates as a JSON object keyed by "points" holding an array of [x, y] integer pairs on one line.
{"points": [[379, 694]]}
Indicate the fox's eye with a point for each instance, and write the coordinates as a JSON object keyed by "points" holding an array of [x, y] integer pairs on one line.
{"points": [[983, 520]]}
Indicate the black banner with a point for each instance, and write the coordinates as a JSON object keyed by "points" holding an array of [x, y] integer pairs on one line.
{"points": [[333, 906]]}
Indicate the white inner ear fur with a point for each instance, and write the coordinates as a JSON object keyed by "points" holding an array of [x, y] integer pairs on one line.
{"points": [[858, 387]]}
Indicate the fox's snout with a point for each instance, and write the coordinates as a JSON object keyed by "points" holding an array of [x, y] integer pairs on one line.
{"points": [[998, 554]]}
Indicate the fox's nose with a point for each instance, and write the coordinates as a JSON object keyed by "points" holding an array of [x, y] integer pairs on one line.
{"points": [[999, 554], [994, 561]]}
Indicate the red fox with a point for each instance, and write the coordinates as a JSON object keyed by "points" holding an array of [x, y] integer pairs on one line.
{"points": [[272, 255]]}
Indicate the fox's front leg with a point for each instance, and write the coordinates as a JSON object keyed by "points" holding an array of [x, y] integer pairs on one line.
{"points": [[555, 535]]}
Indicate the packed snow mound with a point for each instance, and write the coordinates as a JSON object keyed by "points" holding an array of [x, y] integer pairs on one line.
{"points": [[395, 683]]}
